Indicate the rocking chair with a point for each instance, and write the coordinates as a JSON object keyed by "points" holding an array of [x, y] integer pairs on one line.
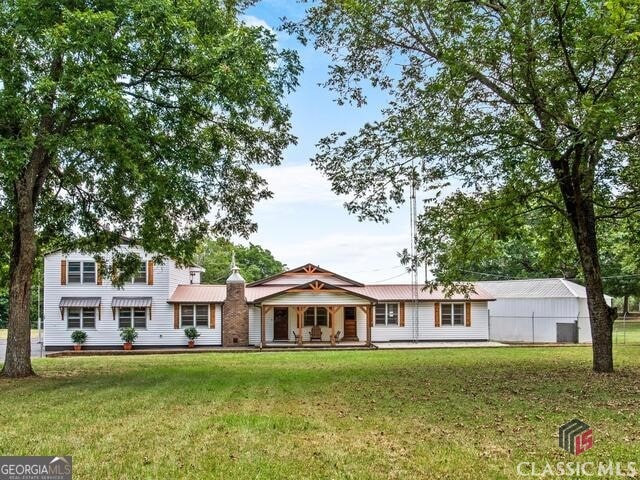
{"points": [[316, 333]]}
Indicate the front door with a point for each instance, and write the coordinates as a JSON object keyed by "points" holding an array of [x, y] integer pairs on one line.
{"points": [[281, 324], [350, 325]]}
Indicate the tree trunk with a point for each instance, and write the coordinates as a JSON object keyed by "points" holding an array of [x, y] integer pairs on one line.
{"points": [[23, 254], [625, 305], [583, 223]]}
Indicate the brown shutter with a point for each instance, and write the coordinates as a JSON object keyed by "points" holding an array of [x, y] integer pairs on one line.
{"points": [[212, 315], [370, 315], [467, 322], [436, 314], [150, 272], [98, 273], [63, 272], [402, 314], [176, 315]]}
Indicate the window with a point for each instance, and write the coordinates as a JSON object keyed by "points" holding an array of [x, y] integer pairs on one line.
{"points": [[315, 316], [387, 314], [452, 314], [132, 317], [81, 317], [141, 276], [81, 272], [197, 313]]}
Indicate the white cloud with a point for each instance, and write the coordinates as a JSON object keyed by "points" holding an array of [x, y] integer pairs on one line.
{"points": [[253, 21], [298, 184]]}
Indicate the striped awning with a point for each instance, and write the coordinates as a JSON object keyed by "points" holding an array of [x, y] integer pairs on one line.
{"points": [[119, 302], [88, 302]]}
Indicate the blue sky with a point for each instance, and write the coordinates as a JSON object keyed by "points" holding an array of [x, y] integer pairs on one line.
{"points": [[304, 221]]}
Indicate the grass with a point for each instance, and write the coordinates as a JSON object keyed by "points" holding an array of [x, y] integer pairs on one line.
{"points": [[455, 413], [626, 332], [3, 334]]}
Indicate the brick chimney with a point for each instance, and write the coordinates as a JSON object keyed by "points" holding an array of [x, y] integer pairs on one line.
{"points": [[235, 312]]}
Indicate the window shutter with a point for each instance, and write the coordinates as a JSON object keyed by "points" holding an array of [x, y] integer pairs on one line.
{"points": [[370, 315], [98, 273], [176, 315], [63, 272], [402, 314], [212, 315], [150, 272], [467, 321], [436, 314]]}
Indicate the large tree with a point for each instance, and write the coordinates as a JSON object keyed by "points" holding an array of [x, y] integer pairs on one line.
{"points": [[467, 241], [538, 97], [254, 262], [131, 117]]}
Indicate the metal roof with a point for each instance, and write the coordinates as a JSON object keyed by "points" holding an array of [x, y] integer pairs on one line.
{"points": [[217, 293], [88, 302], [118, 302], [199, 294], [535, 288]]}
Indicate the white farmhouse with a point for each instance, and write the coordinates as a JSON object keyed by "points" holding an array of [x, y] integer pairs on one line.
{"points": [[301, 306]]}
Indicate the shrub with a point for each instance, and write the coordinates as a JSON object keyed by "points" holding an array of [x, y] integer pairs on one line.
{"points": [[191, 333], [128, 335], [79, 337]]}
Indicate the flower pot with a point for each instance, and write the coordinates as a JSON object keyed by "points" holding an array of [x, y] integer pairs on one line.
{"points": [[192, 343], [128, 346], [77, 347]]}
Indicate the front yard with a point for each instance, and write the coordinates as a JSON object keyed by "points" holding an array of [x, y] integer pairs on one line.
{"points": [[459, 413]]}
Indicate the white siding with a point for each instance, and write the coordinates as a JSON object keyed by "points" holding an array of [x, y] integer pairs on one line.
{"points": [[159, 329], [535, 319], [426, 329], [584, 323], [254, 326]]}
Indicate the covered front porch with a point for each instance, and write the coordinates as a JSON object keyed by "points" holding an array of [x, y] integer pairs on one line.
{"points": [[316, 325]]}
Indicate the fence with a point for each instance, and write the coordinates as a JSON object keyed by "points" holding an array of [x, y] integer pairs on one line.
{"points": [[552, 329]]}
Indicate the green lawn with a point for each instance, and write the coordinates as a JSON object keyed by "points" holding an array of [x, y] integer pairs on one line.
{"points": [[455, 413], [626, 332]]}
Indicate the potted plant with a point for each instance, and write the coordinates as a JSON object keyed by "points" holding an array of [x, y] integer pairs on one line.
{"points": [[78, 337], [128, 336], [191, 333]]}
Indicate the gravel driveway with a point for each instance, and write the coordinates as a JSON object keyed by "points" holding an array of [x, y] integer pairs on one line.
{"points": [[35, 349]]}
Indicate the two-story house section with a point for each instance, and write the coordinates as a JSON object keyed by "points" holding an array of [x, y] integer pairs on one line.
{"points": [[77, 297]]}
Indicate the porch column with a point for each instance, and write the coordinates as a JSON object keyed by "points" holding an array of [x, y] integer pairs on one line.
{"points": [[369, 321], [263, 329], [300, 313], [332, 320]]}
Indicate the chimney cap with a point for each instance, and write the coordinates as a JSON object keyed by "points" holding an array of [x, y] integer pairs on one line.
{"points": [[235, 276]]}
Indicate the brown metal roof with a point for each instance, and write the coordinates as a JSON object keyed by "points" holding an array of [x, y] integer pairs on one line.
{"points": [[217, 293], [199, 294], [88, 302], [119, 302]]}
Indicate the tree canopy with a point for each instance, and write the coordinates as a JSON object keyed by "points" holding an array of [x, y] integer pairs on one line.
{"points": [[254, 262], [137, 118], [528, 105]]}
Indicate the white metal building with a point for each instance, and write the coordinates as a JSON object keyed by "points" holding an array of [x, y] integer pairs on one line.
{"points": [[539, 310]]}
